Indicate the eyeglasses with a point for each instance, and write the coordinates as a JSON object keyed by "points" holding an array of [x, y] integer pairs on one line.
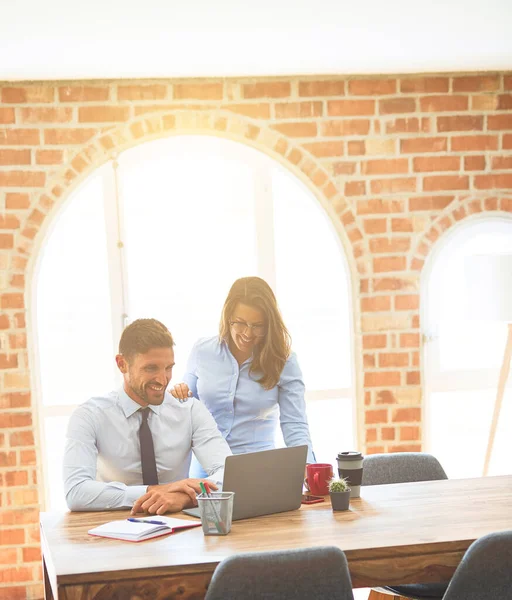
{"points": [[242, 326]]}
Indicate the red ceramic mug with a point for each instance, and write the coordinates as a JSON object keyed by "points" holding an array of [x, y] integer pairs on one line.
{"points": [[318, 477]]}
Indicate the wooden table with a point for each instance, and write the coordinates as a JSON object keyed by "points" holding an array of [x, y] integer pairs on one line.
{"points": [[393, 534]]}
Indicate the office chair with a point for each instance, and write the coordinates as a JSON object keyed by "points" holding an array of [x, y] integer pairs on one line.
{"points": [[306, 574], [485, 572], [403, 467]]}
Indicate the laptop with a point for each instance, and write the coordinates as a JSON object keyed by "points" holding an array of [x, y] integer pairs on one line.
{"points": [[264, 482]]}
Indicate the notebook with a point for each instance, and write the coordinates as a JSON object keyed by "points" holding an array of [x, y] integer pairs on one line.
{"points": [[141, 530]]}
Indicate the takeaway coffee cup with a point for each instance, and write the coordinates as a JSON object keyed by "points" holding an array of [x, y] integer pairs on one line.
{"points": [[350, 467]]}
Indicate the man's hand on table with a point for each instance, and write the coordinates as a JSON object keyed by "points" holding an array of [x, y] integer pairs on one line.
{"points": [[170, 497]]}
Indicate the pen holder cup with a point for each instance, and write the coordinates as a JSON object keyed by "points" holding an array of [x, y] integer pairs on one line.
{"points": [[216, 512]]}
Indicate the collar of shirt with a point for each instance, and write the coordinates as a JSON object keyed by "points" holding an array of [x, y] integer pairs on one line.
{"points": [[228, 351], [129, 406]]}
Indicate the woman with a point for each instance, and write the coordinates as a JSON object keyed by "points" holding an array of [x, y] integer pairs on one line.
{"points": [[247, 376]]}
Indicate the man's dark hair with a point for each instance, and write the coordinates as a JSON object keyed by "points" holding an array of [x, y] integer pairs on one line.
{"points": [[142, 335]]}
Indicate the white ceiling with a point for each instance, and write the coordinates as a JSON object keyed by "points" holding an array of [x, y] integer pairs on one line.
{"points": [[73, 39]]}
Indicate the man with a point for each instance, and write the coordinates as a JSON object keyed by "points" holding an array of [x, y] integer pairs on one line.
{"points": [[132, 448]]}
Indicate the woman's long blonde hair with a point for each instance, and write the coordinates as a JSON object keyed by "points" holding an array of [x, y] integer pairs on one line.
{"points": [[271, 354]]}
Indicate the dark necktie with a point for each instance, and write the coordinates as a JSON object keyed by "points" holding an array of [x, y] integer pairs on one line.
{"points": [[147, 451]]}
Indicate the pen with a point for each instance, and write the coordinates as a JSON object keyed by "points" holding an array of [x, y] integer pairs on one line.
{"points": [[219, 525], [147, 521]]}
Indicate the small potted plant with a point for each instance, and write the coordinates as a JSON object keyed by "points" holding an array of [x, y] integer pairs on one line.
{"points": [[340, 494]]}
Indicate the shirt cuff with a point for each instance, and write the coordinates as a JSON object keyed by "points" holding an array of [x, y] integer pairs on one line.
{"points": [[133, 493]]}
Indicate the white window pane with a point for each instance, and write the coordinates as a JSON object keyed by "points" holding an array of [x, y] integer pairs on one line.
{"points": [[74, 334], [460, 423], [189, 222], [312, 285], [54, 428]]}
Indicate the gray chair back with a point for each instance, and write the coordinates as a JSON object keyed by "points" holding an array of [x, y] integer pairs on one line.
{"points": [[308, 574], [401, 467], [485, 572]]}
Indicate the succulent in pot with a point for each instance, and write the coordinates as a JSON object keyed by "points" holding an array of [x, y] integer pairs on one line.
{"points": [[340, 494]]}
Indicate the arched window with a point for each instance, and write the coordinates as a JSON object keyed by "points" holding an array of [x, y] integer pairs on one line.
{"points": [[463, 356], [163, 231]]}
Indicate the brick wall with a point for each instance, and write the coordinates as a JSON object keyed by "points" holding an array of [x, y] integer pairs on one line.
{"points": [[399, 160]]}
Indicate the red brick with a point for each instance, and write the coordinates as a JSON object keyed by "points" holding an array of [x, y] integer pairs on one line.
{"points": [[271, 89], [470, 143], [15, 200], [345, 127], [46, 115], [425, 85], [500, 163], [429, 202], [371, 87], [446, 182], [498, 180], [355, 188], [406, 415], [6, 240], [28, 458], [8, 361], [505, 102], [393, 359], [379, 206], [393, 186], [507, 82], [397, 105], [15, 400], [8, 221], [403, 125], [372, 417], [371, 435], [344, 168], [297, 110], [375, 226], [7, 115], [443, 103], [68, 136], [15, 157], [297, 129], [413, 378], [21, 438], [31, 554], [388, 433], [29, 93], [436, 163], [375, 304], [385, 166], [22, 178], [389, 245], [321, 88], [409, 340], [103, 114], [15, 575], [7, 459], [355, 148], [419, 145], [19, 137], [83, 93], [142, 92], [259, 110], [507, 142], [389, 264], [409, 434], [402, 225], [374, 341], [476, 83], [460, 123], [49, 157], [407, 302], [474, 163], [499, 122], [16, 478], [11, 537], [381, 379], [350, 108]]}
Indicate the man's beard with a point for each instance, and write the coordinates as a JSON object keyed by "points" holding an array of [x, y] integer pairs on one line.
{"points": [[140, 391]]}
